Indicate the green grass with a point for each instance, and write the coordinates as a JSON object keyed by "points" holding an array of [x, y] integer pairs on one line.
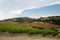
{"points": [[10, 28]]}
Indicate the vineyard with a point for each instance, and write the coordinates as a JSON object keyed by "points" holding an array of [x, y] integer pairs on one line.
{"points": [[10, 28]]}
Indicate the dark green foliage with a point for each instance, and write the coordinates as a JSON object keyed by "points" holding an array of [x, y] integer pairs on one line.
{"points": [[25, 20], [55, 19], [37, 27]]}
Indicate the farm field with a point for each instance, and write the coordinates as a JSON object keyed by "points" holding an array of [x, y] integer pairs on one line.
{"points": [[40, 24], [32, 29], [29, 19], [14, 29]]}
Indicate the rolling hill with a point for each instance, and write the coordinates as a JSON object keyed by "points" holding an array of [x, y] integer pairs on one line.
{"points": [[51, 21]]}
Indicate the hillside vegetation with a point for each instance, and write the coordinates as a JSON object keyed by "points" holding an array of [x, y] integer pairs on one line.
{"points": [[51, 19], [26, 29], [43, 25]]}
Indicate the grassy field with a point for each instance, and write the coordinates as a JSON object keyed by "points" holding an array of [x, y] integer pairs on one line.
{"points": [[10, 28]]}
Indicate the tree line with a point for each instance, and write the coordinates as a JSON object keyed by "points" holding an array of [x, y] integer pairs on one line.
{"points": [[51, 19]]}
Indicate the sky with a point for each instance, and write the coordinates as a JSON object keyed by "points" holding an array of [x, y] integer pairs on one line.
{"points": [[15, 8], [52, 10]]}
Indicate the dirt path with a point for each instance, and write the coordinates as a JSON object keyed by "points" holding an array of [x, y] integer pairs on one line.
{"points": [[26, 37]]}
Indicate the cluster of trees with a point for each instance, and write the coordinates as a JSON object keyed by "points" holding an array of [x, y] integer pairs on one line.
{"points": [[55, 19], [25, 20], [51, 19]]}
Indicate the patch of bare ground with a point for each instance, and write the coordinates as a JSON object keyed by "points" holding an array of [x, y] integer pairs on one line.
{"points": [[40, 24], [6, 36]]}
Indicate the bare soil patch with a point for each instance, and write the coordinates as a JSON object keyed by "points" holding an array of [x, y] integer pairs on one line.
{"points": [[25, 37]]}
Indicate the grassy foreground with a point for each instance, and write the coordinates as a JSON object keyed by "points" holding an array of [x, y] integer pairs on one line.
{"points": [[10, 28]]}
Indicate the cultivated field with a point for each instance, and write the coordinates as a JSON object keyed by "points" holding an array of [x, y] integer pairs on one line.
{"points": [[29, 31]]}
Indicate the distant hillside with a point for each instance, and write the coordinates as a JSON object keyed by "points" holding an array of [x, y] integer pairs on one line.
{"points": [[55, 19], [45, 22], [51, 19]]}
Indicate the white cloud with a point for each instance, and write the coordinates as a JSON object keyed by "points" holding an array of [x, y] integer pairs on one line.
{"points": [[11, 8], [2, 15], [14, 12], [10, 14]]}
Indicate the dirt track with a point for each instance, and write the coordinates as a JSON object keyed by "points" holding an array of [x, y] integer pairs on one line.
{"points": [[26, 37]]}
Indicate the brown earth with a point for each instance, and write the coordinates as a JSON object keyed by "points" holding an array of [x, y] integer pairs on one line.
{"points": [[26, 37], [40, 24]]}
